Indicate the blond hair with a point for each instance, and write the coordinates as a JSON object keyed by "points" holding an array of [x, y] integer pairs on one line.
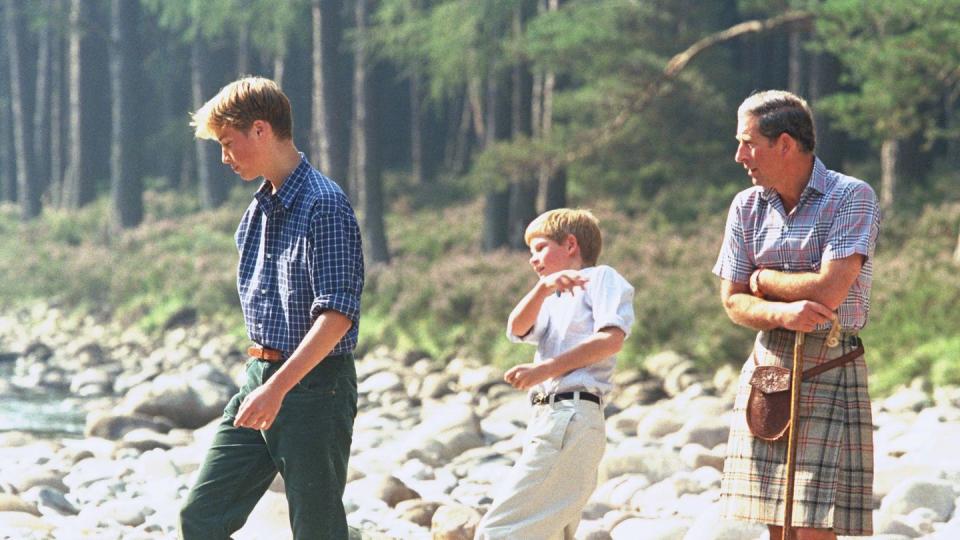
{"points": [[557, 224], [242, 102]]}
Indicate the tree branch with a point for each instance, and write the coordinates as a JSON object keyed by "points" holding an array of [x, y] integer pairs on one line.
{"points": [[595, 139]]}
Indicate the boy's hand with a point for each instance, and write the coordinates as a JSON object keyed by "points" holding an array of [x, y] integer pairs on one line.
{"points": [[526, 376], [563, 281], [259, 409]]}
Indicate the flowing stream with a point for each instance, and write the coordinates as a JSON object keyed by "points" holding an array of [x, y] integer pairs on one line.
{"points": [[45, 412]]}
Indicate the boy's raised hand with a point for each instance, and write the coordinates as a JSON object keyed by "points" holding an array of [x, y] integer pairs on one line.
{"points": [[526, 376], [564, 280]]}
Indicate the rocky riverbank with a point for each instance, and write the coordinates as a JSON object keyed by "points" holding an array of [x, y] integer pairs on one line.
{"points": [[431, 438]]}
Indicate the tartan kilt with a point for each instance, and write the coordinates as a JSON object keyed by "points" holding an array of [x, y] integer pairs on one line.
{"points": [[834, 474]]}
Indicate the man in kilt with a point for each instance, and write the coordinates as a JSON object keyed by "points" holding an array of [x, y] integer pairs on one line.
{"points": [[798, 251]]}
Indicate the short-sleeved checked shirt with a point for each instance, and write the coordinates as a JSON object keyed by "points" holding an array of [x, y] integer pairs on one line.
{"points": [[837, 216], [300, 254]]}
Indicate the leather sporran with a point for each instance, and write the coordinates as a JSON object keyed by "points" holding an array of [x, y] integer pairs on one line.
{"points": [[768, 407]]}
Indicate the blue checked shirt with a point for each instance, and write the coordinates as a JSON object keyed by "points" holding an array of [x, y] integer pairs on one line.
{"points": [[300, 255], [837, 216]]}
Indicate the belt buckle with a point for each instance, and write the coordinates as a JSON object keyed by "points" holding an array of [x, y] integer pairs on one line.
{"points": [[539, 398]]}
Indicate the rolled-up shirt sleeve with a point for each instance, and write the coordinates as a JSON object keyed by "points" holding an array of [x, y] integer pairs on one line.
{"points": [[733, 263], [855, 226], [535, 334], [336, 262], [611, 299]]}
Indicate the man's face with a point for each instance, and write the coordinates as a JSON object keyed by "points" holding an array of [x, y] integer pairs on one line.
{"points": [[756, 153], [548, 256], [241, 151]]}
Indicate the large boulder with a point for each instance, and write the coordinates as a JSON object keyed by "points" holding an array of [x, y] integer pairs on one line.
{"points": [[633, 456], [454, 522], [417, 511], [912, 494], [388, 489], [113, 426], [709, 526], [189, 400], [650, 529], [13, 503], [23, 525]]}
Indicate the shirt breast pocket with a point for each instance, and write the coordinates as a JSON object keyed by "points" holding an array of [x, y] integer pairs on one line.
{"points": [[293, 279]]}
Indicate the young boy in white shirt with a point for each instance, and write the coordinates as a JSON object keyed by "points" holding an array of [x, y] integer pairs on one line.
{"points": [[578, 314]]}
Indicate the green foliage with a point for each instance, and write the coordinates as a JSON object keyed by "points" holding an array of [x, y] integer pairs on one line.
{"points": [[914, 326], [450, 41], [177, 258], [901, 57]]}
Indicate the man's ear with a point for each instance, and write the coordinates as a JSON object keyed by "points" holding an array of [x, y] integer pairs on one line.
{"points": [[785, 142], [571, 244]]}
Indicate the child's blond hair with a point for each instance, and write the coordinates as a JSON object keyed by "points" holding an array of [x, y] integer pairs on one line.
{"points": [[239, 104], [557, 224]]}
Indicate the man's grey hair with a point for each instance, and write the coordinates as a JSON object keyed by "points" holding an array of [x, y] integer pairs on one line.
{"points": [[779, 111]]}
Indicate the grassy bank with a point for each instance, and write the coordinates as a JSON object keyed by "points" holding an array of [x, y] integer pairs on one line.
{"points": [[443, 296]]}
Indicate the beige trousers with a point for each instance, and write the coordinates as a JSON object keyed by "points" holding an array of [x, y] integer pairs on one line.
{"points": [[547, 488]]}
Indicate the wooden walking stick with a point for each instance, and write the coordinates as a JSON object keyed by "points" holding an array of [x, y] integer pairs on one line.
{"points": [[796, 377]]}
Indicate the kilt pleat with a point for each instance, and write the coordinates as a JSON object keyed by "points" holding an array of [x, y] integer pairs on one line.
{"points": [[834, 475]]}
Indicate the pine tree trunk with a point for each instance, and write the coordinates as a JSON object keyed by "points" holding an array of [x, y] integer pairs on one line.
{"points": [[553, 181], [556, 192], [8, 173], [279, 63], [125, 182], [459, 156], [27, 189], [366, 169], [795, 71], [950, 101], [824, 80], [77, 188], [889, 159], [496, 209], [416, 129], [523, 189], [41, 124], [325, 146], [956, 253], [55, 153], [243, 50], [213, 187]]}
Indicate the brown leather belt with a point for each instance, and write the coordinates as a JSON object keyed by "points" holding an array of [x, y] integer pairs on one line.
{"points": [[827, 366], [266, 353]]}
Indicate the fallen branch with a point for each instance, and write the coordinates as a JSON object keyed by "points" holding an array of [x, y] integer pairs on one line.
{"points": [[594, 139]]}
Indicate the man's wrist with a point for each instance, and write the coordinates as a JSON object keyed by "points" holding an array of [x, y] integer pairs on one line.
{"points": [[755, 288]]}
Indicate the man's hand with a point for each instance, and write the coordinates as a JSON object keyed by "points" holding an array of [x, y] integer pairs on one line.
{"points": [[563, 281], [526, 376], [803, 315], [259, 409]]}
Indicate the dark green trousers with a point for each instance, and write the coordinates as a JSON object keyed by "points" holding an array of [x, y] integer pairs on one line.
{"points": [[308, 444]]}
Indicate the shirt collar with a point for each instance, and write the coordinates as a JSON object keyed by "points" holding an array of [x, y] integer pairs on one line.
{"points": [[819, 181], [270, 202]]}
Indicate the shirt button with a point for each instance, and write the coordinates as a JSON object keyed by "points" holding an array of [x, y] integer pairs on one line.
{"points": [[269, 256], [263, 291]]}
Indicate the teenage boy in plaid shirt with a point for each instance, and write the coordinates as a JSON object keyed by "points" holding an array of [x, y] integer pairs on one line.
{"points": [[300, 277], [798, 247]]}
